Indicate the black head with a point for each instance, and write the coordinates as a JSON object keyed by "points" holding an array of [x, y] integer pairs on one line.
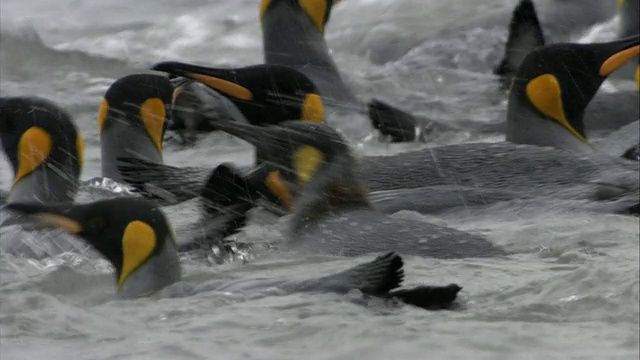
{"points": [[126, 230], [559, 80], [265, 94], [35, 131], [139, 100]]}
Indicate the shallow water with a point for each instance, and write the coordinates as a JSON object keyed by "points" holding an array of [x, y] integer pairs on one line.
{"points": [[570, 289]]}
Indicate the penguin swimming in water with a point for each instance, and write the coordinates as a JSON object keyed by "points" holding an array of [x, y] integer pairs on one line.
{"points": [[46, 151], [545, 114], [135, 236], [293, 35], [132, 120], [44, 148], [259, 94]]}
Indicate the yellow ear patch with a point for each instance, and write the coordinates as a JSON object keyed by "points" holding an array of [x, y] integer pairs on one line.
{"points": [[545, 94], [138, 241], [313, 109], [264, 4], [615, 61], [153, 114], [102, 114], [316, 10], [224, 86], [306, 161], [33, 149], [278, 188], [62, 222]]}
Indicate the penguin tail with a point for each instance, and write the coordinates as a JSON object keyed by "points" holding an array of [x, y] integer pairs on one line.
{"points": [[525, 35], [428, 297], [157, 181]]}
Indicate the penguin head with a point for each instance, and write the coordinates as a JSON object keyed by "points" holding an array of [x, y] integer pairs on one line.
{"points": [[132, 119], [318, 11], [265, 94], [305, 163], [44, 148], [556, 82], [133, 234]]}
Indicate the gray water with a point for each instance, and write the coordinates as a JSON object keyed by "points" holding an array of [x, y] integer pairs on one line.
{"points": [[570, 289]]}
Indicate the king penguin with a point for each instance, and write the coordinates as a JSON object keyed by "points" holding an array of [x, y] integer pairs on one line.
{"points": [[293, 35], [135, 236], [132, 120], [44, 148]]}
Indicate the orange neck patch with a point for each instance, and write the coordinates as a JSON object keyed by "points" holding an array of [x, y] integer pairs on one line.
{"points": [[279, 189]]}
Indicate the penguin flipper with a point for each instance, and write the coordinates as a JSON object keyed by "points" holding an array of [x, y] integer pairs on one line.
{"points": [[398, 124], [158, 181], [525, 35], [428, 297], [376, 277]]}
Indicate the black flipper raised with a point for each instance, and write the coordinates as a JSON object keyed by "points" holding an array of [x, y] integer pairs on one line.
{"points": [[376, 277], [381, 276], [399, 125], [525, 35]]}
